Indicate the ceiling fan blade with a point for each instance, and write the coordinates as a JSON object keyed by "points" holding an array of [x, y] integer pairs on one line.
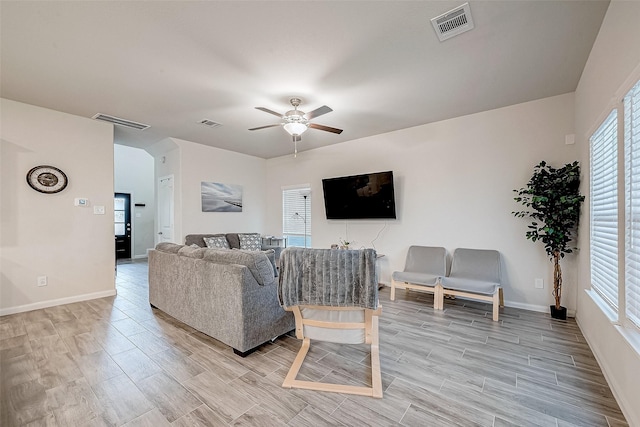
{"points": [[267, 126], [325, 128], [266, 110], [318, 112]]}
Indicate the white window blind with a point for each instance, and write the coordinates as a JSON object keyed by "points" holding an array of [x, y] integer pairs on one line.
{"points": [[632, 204], [296, 216], [604, 210]]}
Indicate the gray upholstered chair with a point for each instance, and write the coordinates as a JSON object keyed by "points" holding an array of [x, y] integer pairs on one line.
{"points": [[333, 295], [423, 268], [475, 274]]}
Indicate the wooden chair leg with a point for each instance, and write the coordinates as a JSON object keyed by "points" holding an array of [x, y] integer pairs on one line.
{"points": [[376, 376], [496, 306], [501, 297], [393, 290], [297, 363], [438, 298]]}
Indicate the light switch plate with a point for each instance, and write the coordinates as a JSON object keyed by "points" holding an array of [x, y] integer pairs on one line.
{"points": [[98, 210], [80, 201]]}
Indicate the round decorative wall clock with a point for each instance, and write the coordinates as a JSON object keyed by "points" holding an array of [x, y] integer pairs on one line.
{"points": [[47, 179]]}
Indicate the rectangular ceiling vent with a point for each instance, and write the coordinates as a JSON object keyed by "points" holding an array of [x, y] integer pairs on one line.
{"points": [[120, 122], [454, 22], [209, 123]]}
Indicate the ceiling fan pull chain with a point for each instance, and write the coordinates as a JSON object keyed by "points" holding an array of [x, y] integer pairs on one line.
{"points": [[295, 149]]}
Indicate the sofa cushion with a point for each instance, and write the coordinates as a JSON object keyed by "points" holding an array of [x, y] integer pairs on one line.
{"points": [[271, 255], [216, 242], [256, 261], [169, 247], [250, 241], [234, 240], [197, 239], [192, 252]]}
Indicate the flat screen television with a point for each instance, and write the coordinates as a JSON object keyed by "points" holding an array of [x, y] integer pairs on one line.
{"points": [[368, 196]]}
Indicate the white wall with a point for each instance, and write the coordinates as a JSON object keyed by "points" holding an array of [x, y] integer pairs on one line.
{"points": [[453, 183], [191, 164], [134, 174], [45, 234], [614, 63]]}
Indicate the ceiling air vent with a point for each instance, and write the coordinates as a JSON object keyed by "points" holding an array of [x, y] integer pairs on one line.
{"points": [[209, 123], [120, 122], [454, 22]]}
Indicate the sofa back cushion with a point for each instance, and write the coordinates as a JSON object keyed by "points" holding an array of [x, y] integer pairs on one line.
{"points": [[169, 247], [234, 240], [198, 239], [256, 261], [192, 251]]}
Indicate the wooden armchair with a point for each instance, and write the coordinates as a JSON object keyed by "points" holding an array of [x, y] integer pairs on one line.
{"points": [[333, 295]]}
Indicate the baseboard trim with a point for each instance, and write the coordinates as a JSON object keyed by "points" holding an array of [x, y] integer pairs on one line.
{"points": [[523, 306], [55, 302]]}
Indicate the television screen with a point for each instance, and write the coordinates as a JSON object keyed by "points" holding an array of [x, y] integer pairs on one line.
{"points": [[360, 196]]}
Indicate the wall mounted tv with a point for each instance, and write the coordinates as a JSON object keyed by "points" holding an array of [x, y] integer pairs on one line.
{"points": [[368, 196]]}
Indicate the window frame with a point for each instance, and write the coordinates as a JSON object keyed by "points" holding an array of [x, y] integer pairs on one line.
{"points": [[301, 210]]}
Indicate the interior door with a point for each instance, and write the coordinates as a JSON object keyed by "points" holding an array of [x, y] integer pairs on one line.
{"points": [[165, 209], [122, 223]]}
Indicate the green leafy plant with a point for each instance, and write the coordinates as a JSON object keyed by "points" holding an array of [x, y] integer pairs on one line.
{"points": [[552, 200], [345, 243]]}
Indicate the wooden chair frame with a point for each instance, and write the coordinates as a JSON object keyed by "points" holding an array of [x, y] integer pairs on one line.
{"points": [[496, 299], [436, 290], [370, 326]]}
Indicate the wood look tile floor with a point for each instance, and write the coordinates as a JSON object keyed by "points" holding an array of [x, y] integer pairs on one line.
{"points": [[115, 361]]}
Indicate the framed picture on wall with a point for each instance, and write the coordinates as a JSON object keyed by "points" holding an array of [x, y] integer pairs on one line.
{"points": [[218, 197]]}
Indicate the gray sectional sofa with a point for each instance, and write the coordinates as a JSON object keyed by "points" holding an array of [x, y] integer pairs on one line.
{"points": [[230, 295]]}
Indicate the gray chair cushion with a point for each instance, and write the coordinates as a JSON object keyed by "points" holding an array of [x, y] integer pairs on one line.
{"points": [[469, 285], [474, 270], [426, 259], [415, 278], [424, 266]]}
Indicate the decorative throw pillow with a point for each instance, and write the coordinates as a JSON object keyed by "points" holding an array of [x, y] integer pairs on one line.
{"points": [[216, 242], [250, 241]]}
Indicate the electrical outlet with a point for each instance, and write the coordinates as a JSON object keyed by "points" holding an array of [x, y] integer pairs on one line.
{"points": [[98, 210], [42, 280], [539, 284]]}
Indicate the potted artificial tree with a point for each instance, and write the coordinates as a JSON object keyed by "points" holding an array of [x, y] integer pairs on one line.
{"points": [[552, 198]]}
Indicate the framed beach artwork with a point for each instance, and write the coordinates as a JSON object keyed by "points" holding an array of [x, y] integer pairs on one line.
{"points": [[217, 197]]}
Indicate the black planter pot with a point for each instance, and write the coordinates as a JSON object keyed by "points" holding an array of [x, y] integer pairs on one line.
{"points": [[558, 313]]}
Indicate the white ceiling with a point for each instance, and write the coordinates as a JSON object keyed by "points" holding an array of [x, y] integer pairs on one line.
{"points": [[378, 64]]}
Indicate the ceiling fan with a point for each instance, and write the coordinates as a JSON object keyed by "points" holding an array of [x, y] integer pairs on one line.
{"points": [[296, 122]]}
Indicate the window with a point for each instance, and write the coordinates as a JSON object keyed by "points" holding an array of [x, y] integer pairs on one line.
{"points": [[604, 210], [615, 268], [632, 204], [296, 215]]}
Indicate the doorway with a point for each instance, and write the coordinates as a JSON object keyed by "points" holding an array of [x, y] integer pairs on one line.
{"points": [[122, 223], [165, 209]]}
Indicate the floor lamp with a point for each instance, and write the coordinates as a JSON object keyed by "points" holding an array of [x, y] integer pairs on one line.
{"points": [[305, 193]]}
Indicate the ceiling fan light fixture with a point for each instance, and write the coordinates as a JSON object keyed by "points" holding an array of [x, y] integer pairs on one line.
{"points": [[295, 128]]}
